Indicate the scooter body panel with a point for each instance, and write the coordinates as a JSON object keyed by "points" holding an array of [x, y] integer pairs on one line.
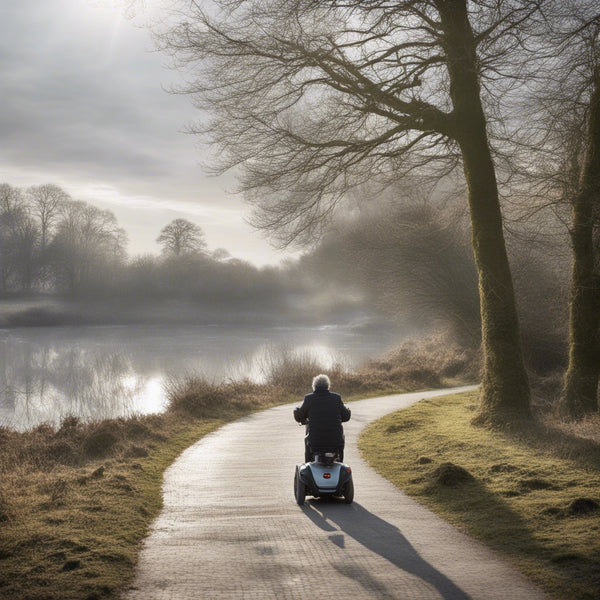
{"points": [[325, 480]]}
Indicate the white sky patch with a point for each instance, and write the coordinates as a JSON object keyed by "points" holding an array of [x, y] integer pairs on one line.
{"points": [[224, 227], [110, 195]]}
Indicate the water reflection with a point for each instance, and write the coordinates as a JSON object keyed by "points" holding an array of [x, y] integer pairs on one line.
{"points": [[47, 374], [41, 384]]}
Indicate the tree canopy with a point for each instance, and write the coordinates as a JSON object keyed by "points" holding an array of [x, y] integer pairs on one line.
{"points": [[181, 237], [309, 99]]}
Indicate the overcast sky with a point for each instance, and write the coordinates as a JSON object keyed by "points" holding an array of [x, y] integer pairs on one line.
{"points": [[83, 106]]}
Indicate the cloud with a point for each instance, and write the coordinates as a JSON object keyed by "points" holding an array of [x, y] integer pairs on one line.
{"points": [[84, 95]]}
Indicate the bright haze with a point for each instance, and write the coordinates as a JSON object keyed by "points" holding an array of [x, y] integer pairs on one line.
{"points": [[84, 106]]}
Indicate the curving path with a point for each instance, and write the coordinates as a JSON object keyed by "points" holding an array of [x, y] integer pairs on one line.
{"points": [[230, 528]]}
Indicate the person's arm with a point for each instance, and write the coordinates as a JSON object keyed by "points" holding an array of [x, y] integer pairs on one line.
{"points": [[344, 412], [301, 412]]}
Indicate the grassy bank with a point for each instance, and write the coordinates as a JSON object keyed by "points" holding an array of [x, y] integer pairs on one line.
{"points": [[76, 501], [531, 495]]}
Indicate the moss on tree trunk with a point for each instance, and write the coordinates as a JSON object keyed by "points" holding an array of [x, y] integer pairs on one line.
{"points": [[580, 393]]}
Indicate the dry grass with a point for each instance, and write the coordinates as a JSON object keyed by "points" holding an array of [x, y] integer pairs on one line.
{"points": [[534, 492], [76, 443], [201, 398], [76, 502], [434, 361], [416, 364]]}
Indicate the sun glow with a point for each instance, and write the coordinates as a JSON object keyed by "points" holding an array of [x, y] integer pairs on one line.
{"points": [[152, 397]]}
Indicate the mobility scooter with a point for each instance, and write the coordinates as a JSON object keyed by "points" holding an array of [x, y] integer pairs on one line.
{"points": [[323, 476]]}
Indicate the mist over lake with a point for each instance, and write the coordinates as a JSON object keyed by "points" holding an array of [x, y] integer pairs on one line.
{"points": [[97, 372]]}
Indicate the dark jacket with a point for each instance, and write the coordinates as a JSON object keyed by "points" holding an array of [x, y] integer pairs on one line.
{"points": [[325, 412]]}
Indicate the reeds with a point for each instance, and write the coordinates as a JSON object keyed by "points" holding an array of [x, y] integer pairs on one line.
{"points": [[288, 374]]}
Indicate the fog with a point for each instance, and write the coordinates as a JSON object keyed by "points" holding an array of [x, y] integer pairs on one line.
{"points": [[89, 330], [404, 258]]}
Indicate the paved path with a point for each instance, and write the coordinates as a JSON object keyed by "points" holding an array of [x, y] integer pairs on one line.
{"points": [[230, 528]]}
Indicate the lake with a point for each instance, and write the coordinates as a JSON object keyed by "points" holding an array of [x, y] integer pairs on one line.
{"points": [[48, 373]]}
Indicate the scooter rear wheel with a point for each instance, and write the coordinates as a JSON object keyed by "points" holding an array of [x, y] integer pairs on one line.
{"points": [[349, 492], [299, 489]]}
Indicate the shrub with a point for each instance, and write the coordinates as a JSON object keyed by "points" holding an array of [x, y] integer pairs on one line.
{"points": [[201, 398], [63, 451], [423, 362], [290, 371], [100, 441]]}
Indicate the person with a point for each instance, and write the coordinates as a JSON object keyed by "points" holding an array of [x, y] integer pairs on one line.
{"points": [[325, 413]]}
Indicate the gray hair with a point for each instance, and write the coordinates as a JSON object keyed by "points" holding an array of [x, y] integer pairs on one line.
{"points": [[321, 382]]}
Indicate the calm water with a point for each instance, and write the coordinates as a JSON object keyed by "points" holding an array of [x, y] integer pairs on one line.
{"points": [[99, 372]]}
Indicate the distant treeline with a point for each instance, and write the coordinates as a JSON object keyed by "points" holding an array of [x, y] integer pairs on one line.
{"points": [[52, 244]]}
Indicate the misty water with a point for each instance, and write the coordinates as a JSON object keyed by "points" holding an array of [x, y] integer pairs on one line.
{"points": [[48, 373]]}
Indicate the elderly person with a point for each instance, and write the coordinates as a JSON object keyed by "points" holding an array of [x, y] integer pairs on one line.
{"points": [[325, 413]]}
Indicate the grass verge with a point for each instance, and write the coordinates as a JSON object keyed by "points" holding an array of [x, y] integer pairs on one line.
{"points": [[533, 495]]}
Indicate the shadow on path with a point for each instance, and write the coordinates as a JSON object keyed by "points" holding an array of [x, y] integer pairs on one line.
{"points": [[379, 537]]}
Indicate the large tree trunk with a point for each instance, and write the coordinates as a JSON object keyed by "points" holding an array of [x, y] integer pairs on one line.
{"points": [[580, 394], [505, 396]]}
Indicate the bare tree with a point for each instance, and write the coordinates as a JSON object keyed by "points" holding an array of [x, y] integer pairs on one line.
{"points": [[562, 141], [19, 237], [88, 243], [220, 254], [581, 56], [181, 237], [10, 200], [26, 248], [580, 395], [309, 99], [45, 201]]}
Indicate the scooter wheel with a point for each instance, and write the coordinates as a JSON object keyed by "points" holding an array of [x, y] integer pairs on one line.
{"points": [[349, 492], [299, 489]]}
